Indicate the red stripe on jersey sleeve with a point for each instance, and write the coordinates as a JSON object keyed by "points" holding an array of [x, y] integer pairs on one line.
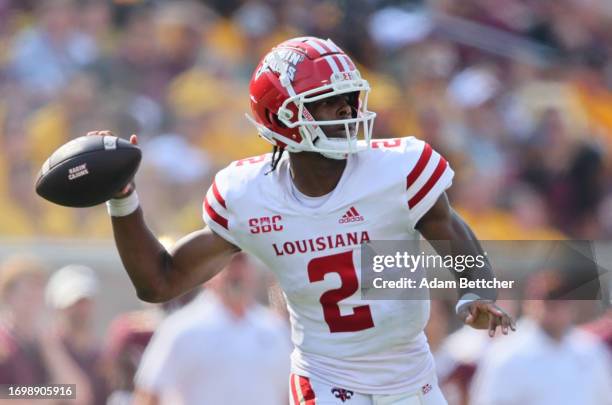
{"points": [[214, 215], [309, 395], [217, 194], [420, 165], [430, 183]]}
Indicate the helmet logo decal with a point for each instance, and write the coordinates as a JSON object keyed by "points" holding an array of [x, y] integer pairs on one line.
{"points": [[284, 62]]}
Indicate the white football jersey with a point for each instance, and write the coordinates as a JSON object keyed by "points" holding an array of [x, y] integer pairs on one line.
{"points": [[313, 246]]}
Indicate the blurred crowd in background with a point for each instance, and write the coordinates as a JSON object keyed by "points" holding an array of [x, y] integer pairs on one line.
{"points": [[517, 97], [230, 341], [201, 347]]}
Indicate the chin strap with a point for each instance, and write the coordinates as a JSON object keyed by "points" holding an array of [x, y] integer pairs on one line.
{"points": [[277, 154], [335, 156], [336, 144]]}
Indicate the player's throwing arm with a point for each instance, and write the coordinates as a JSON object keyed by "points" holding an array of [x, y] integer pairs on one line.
{"points": [[99, 167], [160, 275], [450, 235]]}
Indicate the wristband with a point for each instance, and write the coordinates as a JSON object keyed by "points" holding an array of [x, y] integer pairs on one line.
{"points": [[465, 299], [121, 207]]}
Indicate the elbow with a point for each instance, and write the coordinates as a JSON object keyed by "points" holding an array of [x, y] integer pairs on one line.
{"points": [[152, 295], [157, 289]]}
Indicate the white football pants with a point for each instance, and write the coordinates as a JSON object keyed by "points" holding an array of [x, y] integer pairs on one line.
{"points": [[304, 391]]}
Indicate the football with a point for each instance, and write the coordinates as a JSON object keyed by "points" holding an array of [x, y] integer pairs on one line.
{"points": [[88, 171]]}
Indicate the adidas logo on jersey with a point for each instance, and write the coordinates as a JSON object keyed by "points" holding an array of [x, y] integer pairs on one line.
{"points": [[351, 216]]}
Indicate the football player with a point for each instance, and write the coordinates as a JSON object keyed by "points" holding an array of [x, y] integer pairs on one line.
{"points": [[305, 213]]}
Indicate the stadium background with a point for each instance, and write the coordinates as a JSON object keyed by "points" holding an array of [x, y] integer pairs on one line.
{"points": [[517, 97]]}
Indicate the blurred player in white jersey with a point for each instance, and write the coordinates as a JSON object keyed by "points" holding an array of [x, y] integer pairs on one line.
{"points": [[305, 214], [549, 361]]}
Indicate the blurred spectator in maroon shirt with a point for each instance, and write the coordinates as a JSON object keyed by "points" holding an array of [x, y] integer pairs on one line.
{"points": [[21, 289], [126, 340], [71, 292], [30, 351], [128, 336]]}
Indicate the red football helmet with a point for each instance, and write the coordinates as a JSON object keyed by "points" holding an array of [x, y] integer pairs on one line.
{"points": [[300, 71]]}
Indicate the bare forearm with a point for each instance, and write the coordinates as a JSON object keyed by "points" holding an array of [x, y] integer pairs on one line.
{"points": [[144, 257], [160, 275], [450, 235], [464, 242], [157, 274]]}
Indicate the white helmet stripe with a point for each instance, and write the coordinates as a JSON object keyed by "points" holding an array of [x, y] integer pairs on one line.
{"points": [[323, 44], [344, 63], [330, 44], [332, 64], [317, 46], [350, 62]]}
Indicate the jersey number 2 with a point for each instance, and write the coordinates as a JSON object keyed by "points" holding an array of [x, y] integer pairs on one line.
{"points": [[342, 264]]}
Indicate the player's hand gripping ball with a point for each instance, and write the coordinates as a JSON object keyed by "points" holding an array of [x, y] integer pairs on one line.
{"points": [[88, 170]]}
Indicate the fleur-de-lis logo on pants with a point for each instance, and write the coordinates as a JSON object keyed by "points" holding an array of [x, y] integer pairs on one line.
{"points": [[342, 394]]}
